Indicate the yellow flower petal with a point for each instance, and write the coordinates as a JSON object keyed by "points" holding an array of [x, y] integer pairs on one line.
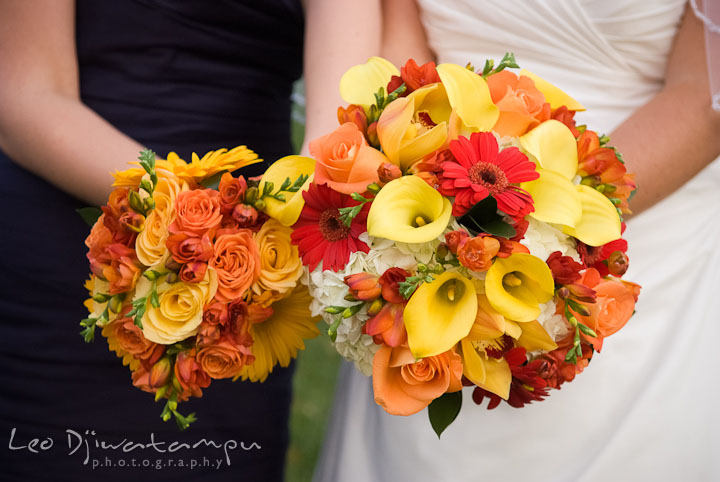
{"points": [[517, 285], [600, 222], [497, 377], [473, 363], [418, 147], [554, 147], [555, 198], [392, 126], [553, 95], [408, 210], [360, 83], [288, 167], [469, 96], [277, 340], [440, 314], [534, 337], [489, 323], [512, 329]]}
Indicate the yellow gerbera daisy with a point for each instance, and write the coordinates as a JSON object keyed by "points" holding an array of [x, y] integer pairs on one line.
{"points": [[278, 339]]}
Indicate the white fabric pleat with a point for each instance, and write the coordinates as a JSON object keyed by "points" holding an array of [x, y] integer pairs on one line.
{"points": [[645, 407]]}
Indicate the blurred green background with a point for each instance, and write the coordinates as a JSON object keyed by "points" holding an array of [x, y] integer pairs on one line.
{"points": [[316, 372]]}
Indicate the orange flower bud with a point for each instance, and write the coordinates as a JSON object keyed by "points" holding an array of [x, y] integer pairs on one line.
{"points": [[364, 286], [618, 263], [388, 171], [160, 372], [245, 215]]}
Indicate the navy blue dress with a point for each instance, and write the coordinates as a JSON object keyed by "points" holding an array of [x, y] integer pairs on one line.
{"points": [[180, 75]]}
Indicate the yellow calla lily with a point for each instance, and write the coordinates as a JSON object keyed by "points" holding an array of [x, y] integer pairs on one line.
{"points": [[287, 167], [408, 210], [534, 337], [600, 222], [553, 146], [553, 95], [359, 83], [517, 285], [555, 198], [469, 96], [440, 314], [583, 212], [405, 135]]}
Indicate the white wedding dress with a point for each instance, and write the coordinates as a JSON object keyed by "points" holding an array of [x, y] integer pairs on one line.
{"points": [[647, 406]]}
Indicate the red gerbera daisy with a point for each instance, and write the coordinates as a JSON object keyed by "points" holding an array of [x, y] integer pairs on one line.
{"points": [[320, 234], [481, 170]]}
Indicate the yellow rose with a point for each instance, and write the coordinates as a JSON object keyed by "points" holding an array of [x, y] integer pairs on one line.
{"points": [[150, 244], [280, 264], [181, 308]]}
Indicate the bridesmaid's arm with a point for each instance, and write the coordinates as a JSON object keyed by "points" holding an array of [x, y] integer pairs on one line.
{"points": [[44, 126], [403, 36], [339, 34], [675, 135]]}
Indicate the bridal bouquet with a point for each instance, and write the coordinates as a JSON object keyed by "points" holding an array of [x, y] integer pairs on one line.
{"points": [[460, 229], [190, 281]]}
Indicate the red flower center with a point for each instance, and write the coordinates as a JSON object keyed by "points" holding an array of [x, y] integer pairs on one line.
{"points": [[332, 227], [490, 176]]}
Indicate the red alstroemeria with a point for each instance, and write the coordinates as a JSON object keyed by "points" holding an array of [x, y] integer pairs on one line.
{"points": [[599, 257], [480, 170], [526, 387], [321, 235], [565, 270]]}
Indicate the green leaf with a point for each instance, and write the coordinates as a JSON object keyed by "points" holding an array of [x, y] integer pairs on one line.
{"points": [[89, 214], [484, 217], [444, 410], [212, 182]]}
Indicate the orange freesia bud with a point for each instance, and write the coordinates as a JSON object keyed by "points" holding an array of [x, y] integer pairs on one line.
{"points": [[581, 292], [388, 171], [477, 253], [245, 215], [618, 263], [364, 286], [388, 325], [353, 113], [372, 135], [159, 373]]}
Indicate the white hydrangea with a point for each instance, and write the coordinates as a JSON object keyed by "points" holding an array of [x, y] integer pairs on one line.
{"points": [[543, 239]]}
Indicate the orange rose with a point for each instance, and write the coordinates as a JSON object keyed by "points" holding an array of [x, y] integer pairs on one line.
{"points": [[128, 342], [189, 375], [197, 211], [237, 262], [522, 106], [224, 359], [232, 191], [344, 161], [123, 271], [404, 386], [613, 307], [97, 241], [477, 253]]}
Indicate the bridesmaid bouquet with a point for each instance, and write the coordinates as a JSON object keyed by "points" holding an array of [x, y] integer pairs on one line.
{"points": [[190, 281], [460, 229]]}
